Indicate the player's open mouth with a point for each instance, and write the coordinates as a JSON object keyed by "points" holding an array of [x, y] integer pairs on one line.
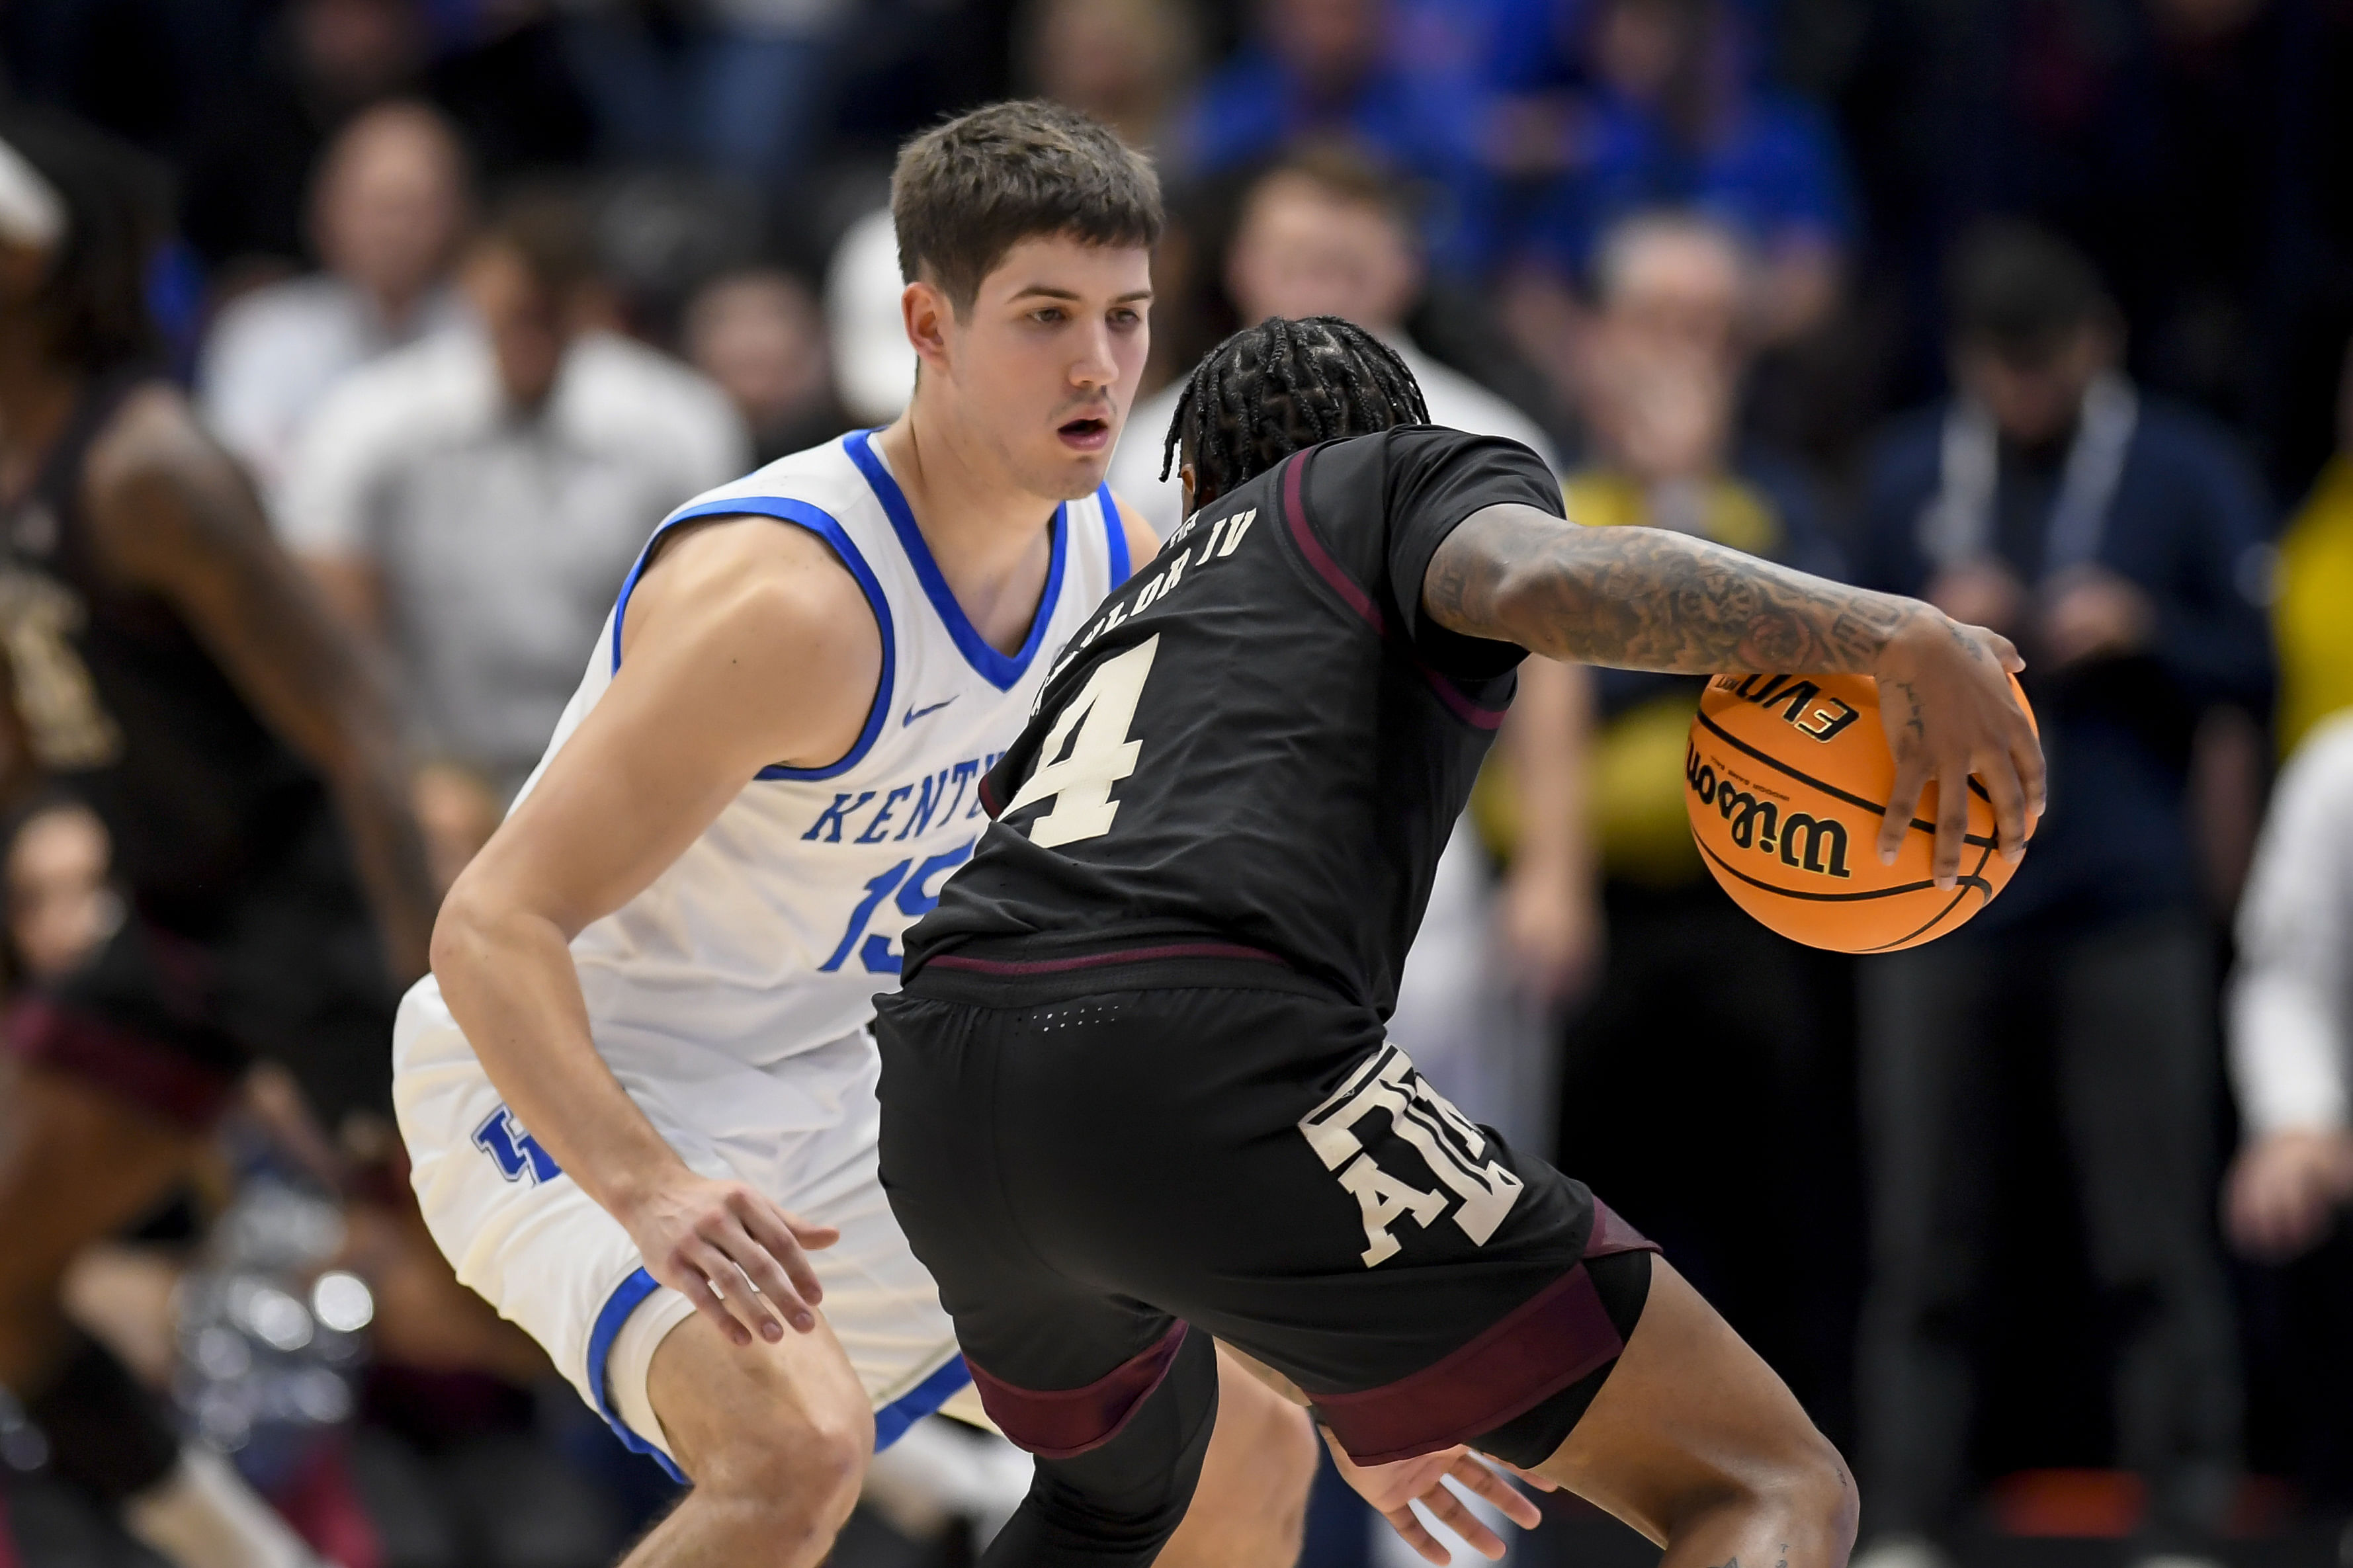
{"points": [[1085, 435]]}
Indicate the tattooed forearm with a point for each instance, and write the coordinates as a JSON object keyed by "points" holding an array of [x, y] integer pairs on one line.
{"points": [[1644, 598]]}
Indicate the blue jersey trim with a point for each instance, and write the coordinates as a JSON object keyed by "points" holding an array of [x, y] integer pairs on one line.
{"points": [[993, 667], [800, 513], [615, 1311], [1115, 535], [890, 1422]]}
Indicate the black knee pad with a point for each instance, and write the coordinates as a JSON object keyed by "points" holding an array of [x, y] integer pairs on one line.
{"points": [[107, 1435], [1116, 1505]]}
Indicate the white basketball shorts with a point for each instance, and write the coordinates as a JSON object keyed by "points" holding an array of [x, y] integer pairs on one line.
{"points": [[521, 1233]]}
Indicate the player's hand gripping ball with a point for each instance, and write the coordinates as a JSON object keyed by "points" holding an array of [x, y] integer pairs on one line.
{"points": [[1787, 779]]}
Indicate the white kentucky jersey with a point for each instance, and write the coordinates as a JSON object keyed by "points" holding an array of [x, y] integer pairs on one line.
{"points": [[770, 935]]}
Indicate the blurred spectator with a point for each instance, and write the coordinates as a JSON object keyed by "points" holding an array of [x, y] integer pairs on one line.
{"points": [[2110, 536], [1323, 232], [1322, 68], [873, 365], [247, 178], [1124, 62], [2291, 1011], [1675, 121], [725, 84], [475, 500], [1665, 359], [759, 335], [2313, 615], [386, 214]]}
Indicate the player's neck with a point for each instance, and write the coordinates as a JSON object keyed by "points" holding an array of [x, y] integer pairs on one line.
{"points": [[989, 535]]}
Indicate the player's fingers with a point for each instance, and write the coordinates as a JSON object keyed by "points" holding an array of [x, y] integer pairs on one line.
{"points": [[1952, 824], [1903, 800], [728, 1283], [783, 1245], [1481, 1482], [2005, 651], [1411, 1530], [769, 1275], [1536, 1478], [692, 1284], [2026, 756], [1449, 1508], [2000, 776]]}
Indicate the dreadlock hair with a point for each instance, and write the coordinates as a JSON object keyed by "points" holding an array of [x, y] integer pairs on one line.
{"points": [[1281, 386]]}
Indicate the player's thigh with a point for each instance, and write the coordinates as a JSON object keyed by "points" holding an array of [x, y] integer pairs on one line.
{"points": [[1691, 1417], [755, 1418], [75, 1163]]}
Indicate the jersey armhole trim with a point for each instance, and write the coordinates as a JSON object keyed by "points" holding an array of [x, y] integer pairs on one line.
{"points": [[1303, 533], [1000, 671], [1295, 513], [1114, 537], [625, 1300], [801, 515]]}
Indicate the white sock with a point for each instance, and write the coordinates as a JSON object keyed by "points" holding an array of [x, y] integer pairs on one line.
{"points": [[203, 1515]]}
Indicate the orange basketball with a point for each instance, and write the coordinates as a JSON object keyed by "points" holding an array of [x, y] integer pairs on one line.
{"points": [[1787, 779]]}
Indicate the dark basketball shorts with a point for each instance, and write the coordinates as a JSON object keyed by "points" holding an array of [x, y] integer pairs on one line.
{"points": [[293, 973], [1095, 1156]]}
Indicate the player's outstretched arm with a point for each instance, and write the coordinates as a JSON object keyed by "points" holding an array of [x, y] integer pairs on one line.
{"points": [[1645, 598], [173, 514], [746, 642]]}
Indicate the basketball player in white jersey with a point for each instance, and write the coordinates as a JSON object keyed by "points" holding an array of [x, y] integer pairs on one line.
{"points": [[637, 1088]]}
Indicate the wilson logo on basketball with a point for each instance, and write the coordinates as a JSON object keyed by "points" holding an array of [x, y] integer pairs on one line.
{"points": [[1799, 841]]}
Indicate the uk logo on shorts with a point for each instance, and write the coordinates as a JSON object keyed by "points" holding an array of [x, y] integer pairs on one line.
{"points": [[1448, 1143], [515, 1152]]}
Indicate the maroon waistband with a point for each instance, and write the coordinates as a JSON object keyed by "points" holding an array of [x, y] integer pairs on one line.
{"points": [[1167, 950]]}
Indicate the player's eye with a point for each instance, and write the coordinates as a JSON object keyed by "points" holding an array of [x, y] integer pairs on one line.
{"points": [[1123, 317], [1049, 315]]}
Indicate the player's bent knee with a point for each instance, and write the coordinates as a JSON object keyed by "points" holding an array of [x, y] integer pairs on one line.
{"points": [[802, 1469]]}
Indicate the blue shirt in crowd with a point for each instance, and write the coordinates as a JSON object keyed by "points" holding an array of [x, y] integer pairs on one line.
{"points": [[1773, 172], [1426, 125], [2185, 526]]}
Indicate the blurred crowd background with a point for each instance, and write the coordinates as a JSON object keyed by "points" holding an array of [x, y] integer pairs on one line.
{"points": [[2039, 309]]}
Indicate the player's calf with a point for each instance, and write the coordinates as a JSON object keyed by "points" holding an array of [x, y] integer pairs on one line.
{"points": [[1695, 1441], [1250, 1509]]}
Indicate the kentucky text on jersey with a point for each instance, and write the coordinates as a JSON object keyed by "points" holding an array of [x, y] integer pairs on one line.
{"points": [[940, 795]]}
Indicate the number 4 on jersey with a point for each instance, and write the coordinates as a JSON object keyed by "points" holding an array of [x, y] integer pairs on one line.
{"points": [[1100, 755]]}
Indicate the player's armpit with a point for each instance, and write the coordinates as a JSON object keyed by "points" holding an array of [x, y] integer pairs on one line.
{"points": [[172, 513]]}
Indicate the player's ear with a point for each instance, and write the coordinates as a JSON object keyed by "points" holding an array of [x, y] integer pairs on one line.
{"points": [[926, 312], [1186, 474]]}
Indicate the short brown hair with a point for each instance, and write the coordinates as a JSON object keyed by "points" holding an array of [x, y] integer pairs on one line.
{"points": [[547, 227], [967, 192]]}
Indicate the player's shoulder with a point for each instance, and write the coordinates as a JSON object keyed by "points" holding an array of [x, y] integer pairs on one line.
{"points": [[820, 486]]}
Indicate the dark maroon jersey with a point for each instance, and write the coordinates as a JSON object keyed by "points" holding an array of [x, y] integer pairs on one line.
{"points": [[1262, 740]]}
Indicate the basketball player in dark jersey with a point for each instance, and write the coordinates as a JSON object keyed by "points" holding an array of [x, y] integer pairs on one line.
{"points": [[166, 663], [1137, 1083]]}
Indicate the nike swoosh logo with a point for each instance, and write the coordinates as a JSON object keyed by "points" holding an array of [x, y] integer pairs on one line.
{"points": [[915, 713]]}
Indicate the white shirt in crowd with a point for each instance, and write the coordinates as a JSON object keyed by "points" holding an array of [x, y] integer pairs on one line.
{"points": [[501, 538], [1455, 401], [275, 352], [2290, 1001]]}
